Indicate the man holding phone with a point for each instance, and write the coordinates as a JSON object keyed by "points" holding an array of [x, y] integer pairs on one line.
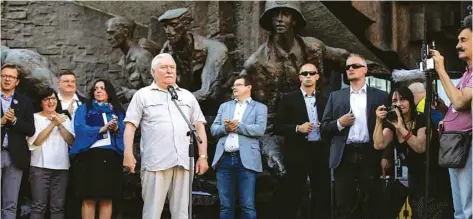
{"points": [[349, 120]]}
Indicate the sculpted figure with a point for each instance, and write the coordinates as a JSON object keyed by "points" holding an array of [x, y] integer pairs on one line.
{"points": [[136, 59], [200, 61], [274, 66]]}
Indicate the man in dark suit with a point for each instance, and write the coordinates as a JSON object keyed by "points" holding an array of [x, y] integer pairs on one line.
{"points": [[17, 123], [349, 121], [304, 151]]}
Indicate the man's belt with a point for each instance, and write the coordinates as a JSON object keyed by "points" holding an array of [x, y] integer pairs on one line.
{"points": [[233, 154], [357, 145], [4, 148]]}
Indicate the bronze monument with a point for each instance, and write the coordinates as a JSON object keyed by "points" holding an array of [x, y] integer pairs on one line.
{"points": [[201, 62], [275, 65], [136, 60]]}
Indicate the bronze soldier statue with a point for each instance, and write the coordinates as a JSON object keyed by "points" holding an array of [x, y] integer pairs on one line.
{"points": [[274, 66], [136, 60], [201, 63]]}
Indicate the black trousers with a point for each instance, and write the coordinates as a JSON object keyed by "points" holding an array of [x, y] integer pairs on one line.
{"points": [[354, 183], [311, 161]]}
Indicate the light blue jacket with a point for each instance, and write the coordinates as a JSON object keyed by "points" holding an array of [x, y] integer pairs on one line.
{"points": [[250, 129]]}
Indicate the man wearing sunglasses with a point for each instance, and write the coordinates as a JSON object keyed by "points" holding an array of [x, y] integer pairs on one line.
{"points": [[304, 151], [349, 120], [275, 66]]}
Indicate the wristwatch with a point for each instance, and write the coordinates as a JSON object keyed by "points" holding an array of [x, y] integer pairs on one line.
{"points": [[204, 156]]}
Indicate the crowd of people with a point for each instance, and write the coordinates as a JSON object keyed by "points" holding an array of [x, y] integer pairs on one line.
{"points": [[79, 145]]}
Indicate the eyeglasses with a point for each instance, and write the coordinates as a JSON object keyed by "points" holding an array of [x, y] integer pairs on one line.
{"points": [[50, 99], [354, 66], [237, 85], [9, 77], [311, 73]]}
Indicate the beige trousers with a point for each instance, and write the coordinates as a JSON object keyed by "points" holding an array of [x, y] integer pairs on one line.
{"points": [[172, 183]]}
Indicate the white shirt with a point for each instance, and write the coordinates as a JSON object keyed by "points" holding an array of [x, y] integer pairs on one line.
{"points": [[359, 130], [54, 152], [65, 104], [231, 143], [164, 142]]}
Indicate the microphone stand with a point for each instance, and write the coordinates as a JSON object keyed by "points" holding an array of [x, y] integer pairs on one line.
{"points": [[192, 144]]}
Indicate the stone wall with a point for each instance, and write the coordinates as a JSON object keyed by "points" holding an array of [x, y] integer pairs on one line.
{"points": [[71, 36]]}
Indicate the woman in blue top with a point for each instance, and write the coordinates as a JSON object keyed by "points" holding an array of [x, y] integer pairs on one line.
{"points": [[97, 152]]}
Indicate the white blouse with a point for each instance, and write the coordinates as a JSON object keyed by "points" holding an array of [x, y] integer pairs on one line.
{"points": [[54, 152]]}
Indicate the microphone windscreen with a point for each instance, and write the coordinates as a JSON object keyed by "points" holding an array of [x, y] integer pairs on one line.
{"points": [[400, 75]]}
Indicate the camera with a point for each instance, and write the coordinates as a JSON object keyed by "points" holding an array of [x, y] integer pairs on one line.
{"points": [[391, 115]]}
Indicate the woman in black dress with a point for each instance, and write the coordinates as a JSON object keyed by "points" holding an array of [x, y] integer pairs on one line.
{"points": [[407, 133], [97, 151]]}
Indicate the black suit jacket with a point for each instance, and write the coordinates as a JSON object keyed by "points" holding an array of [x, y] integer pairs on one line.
{"points": [[338, 104], [291, 112], [24, 126]]}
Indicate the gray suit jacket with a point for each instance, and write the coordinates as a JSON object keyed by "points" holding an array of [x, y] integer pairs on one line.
{"points": [[250, 129]]}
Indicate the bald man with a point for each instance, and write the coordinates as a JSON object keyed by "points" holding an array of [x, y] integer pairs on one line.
{"points": [[305, 152]]}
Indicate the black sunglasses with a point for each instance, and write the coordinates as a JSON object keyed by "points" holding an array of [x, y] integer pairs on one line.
{"points": [[354, 66], [311, 73]]}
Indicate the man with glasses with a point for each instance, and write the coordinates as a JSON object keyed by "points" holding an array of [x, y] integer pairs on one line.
{"points": [[349, 120], [17, 123], [239, 124], [304, 151]]}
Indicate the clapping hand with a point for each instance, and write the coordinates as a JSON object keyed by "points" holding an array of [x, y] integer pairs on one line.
{"points": [[231, 126], [58, 119]]}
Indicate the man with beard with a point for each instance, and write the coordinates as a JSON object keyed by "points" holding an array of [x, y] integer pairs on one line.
{"points": [[136, 60], [201, 62], [349, 120], [458, 117], [305, 153]]}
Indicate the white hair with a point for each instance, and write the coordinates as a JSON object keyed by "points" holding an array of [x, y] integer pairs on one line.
{"points": [[158, 58], [416, 88]]}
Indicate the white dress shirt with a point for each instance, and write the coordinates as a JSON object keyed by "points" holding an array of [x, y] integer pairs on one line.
{"points": [[359, 130], [65, 104], [231, 143]]}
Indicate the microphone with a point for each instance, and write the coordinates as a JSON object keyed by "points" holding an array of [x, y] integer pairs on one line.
{"points": [[172, 92], [399, 75]]}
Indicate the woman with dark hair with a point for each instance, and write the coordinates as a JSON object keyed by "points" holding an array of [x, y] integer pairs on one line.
{"points": [[98, 150], [405, 129], [49, 157]]}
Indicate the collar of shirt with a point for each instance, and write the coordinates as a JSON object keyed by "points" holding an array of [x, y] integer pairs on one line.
{"points": [[468, 69], [154, 86], [362, 90], [305, 94], [75, 97], [4, 97], [248, 101]]}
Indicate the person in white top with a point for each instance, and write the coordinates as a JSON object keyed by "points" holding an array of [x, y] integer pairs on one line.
{"points": [[49, 157]]}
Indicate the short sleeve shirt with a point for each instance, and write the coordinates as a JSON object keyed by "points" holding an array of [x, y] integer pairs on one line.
{"points": [[164, 142]]}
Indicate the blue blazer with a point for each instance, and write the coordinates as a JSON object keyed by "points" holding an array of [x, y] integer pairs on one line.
{"points": [[250, 129]]}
